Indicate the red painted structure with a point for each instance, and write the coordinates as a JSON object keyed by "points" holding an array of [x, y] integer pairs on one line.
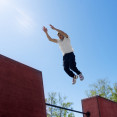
{"points": [[21, 90], [99, 107]]}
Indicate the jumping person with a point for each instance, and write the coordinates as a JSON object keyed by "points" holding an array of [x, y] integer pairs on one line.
{"points": [[68, 53]]}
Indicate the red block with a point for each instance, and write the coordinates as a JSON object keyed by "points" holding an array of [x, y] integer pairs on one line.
{"points": [[21, 90], [99, 107]]}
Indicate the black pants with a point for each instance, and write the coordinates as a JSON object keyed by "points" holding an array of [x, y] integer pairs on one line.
{"points": [[70, 64]]}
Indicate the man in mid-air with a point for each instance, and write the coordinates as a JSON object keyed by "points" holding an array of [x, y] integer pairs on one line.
{"points": [[68, 53]]}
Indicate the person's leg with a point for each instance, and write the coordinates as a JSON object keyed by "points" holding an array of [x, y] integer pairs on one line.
{"points": [[72, 64], [73, 67], [66, 66]]}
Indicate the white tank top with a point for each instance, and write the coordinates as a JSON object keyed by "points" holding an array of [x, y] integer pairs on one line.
{"points": [[65, 45]]}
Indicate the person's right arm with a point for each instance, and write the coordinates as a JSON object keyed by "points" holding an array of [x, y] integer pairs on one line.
{"points": [[48, 36]]}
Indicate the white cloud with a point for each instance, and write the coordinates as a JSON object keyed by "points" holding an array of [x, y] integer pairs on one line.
{"points": [[22, 19], [3, 5], [25, 22], [16, 26]]}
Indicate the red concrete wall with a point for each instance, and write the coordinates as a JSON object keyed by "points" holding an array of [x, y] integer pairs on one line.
{"points": [[21, 90], [99, 107], [107, 108], [91, 105]]}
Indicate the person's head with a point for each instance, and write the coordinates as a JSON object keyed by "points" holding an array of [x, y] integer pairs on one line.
{"points": [[60, 36]]}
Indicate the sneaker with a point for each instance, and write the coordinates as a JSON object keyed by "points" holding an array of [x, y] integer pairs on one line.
{"points": [[81, 77], [74, 79]]}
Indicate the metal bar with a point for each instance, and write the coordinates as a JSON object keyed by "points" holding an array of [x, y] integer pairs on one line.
{"points": [[87, 114]]}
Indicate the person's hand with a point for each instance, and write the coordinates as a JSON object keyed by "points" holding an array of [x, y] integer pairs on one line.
{"points": [[45, 29], [52, 27]]}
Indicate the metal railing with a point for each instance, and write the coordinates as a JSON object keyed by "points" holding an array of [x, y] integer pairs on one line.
{"points": [[87, 113]]}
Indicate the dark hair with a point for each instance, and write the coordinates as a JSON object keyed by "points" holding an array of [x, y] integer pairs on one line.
{"points": [[58, 33]]}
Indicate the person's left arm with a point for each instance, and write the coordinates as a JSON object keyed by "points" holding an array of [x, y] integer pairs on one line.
{"points": [[60, 31]]}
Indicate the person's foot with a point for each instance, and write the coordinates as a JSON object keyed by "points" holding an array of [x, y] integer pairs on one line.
{"points": [[74, 79], [81, 77]]}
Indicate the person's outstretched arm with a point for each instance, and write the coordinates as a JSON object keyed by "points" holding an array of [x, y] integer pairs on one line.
{"points": [[49, 38], [60, 31]]}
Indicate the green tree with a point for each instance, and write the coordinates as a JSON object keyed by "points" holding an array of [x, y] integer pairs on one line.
{"points": [[103, 88], [113, 96], [57, 99], [51, 112]]}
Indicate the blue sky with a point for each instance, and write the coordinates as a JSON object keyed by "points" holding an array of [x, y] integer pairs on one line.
{"points": [[91, 25]]}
